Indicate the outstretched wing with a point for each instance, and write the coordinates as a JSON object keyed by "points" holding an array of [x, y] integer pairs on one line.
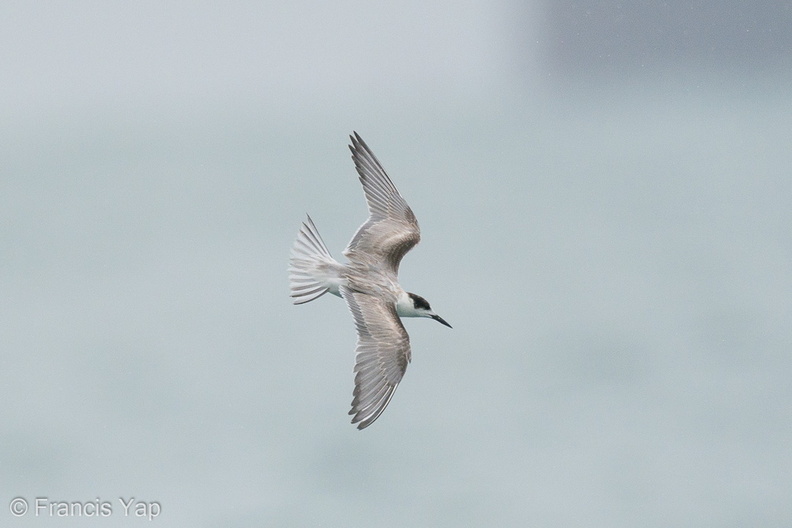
{"points": [[382, 354], [391, 229]]}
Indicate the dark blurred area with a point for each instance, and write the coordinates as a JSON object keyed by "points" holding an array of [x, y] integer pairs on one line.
{"points": [[612, 36]]}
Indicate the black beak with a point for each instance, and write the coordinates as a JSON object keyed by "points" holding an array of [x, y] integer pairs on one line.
{"points": [[441, 320]]}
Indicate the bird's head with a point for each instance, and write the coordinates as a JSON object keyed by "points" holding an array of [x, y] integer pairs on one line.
{"points": [[416, 306]]}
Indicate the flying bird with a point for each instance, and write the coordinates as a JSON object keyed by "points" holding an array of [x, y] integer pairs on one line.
{"points": [[368, 283]]}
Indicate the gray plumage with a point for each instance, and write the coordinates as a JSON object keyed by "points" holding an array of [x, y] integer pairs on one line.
{"points": [[392, 229], [369, 285]]}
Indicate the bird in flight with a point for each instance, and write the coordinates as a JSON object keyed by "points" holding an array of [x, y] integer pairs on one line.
{"points": [[368, 283]]}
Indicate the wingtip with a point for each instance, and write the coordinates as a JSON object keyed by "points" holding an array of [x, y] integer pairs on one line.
{"points": [[357, 142], [361, 424]]}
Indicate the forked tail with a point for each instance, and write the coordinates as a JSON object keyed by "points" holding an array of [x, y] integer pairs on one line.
{"points": [[312, 269]]}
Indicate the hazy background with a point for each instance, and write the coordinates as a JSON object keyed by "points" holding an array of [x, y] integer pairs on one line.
{"points": [[604, 191]]}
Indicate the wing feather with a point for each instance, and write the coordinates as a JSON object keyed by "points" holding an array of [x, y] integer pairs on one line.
{"points": [[391, 229], [381, 355]]}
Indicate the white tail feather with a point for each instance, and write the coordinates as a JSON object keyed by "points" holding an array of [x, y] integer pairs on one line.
{"points": [[311, 267]]}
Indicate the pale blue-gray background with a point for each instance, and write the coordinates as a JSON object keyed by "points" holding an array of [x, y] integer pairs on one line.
{"points": [[604, 192]]}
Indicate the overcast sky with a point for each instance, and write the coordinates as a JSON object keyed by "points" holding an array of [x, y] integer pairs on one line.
{"points": [[603, 190], [87, 53]]}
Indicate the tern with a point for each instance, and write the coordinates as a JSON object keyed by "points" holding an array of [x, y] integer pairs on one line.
{"points": [[368, 283]]}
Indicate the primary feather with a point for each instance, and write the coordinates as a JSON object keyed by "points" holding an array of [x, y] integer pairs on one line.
{"points": [[381, 355], [391, 229]]}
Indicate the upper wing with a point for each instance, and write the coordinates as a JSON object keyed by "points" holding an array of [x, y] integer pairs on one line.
{"points": [[382, 354], [391, 229]]}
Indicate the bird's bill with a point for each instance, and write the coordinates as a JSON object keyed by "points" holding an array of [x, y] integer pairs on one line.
{"points": [[441, 320]]}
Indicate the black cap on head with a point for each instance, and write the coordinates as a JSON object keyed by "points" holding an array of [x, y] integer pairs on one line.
{"points": [[419, 302]]}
